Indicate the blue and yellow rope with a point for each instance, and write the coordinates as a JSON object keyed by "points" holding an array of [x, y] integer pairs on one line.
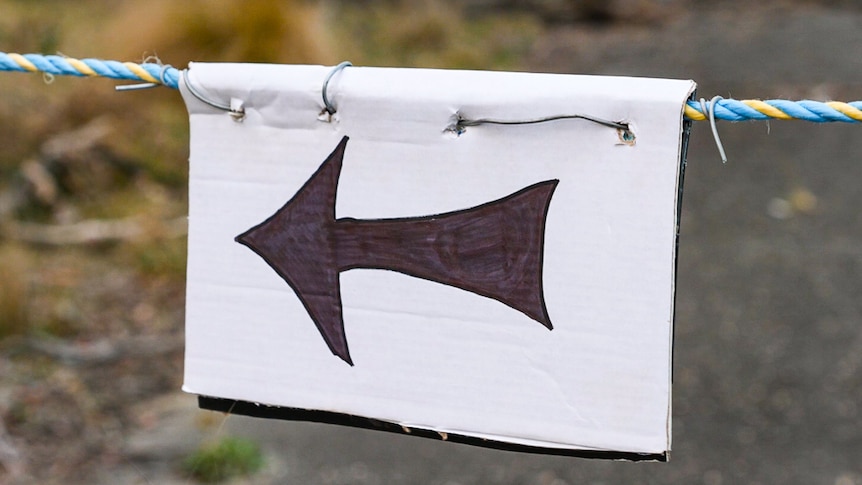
{"points": [[151, 72], [781, 109]]}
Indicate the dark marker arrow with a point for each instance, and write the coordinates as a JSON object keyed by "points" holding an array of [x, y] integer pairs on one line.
{"points": [[494, 249]]}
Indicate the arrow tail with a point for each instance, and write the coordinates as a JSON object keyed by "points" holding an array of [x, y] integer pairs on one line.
{"points": [[494, 250]]}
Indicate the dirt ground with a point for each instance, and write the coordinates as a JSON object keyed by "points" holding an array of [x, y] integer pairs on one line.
{"points": [[768, 336]]}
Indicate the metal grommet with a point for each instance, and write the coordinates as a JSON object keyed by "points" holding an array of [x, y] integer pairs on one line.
{"points": [[327, 103]]}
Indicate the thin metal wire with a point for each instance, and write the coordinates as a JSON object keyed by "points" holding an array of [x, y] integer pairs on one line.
{"points": [[327, 103], [709, 112], [237, 113], [192, 89], [135, 87], [461, 123], [162, 81], [488, 121]]}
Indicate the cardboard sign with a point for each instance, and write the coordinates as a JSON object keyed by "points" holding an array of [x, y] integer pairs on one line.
{"points": [[477, 256]]}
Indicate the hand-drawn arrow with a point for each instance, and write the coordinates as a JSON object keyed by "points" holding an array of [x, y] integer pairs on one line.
{"points": [[494, 249]]}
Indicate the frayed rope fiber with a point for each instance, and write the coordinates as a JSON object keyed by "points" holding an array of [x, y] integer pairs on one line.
{"points": [[159, 74]]}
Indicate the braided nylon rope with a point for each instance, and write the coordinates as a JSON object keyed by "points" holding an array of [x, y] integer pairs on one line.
{"points": [[725, 109], [149, 72]]}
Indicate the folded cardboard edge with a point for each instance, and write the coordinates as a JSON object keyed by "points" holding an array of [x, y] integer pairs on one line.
{"points": [[245, 408], [685, 135]]}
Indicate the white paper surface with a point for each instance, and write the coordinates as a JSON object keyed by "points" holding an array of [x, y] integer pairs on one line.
{"points": [[425, 354]]}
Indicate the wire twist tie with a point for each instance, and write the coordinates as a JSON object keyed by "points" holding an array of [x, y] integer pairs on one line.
{"points": [[460, 123], [162, 81], [327, 103], [235, 108], [709, 112]]}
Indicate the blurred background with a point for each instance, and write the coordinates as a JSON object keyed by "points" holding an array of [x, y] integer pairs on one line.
{"points": [[768, 349]]}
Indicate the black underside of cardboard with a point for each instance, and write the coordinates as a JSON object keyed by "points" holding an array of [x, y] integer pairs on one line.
{"points": [[246, 408]]}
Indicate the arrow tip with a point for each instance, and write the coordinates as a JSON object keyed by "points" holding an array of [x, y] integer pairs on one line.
{"points": [[345, 357], [295, 242]]}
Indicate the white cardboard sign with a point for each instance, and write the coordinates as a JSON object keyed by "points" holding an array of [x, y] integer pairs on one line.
{"points": [[507, 284]]}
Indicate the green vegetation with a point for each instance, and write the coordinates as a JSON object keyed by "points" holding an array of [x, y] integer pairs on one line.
{"points": [[230, 457]]}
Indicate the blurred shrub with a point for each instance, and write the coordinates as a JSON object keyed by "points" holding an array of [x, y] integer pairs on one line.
{"points": [[429, 33], [220, 30], [228, 458]]}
